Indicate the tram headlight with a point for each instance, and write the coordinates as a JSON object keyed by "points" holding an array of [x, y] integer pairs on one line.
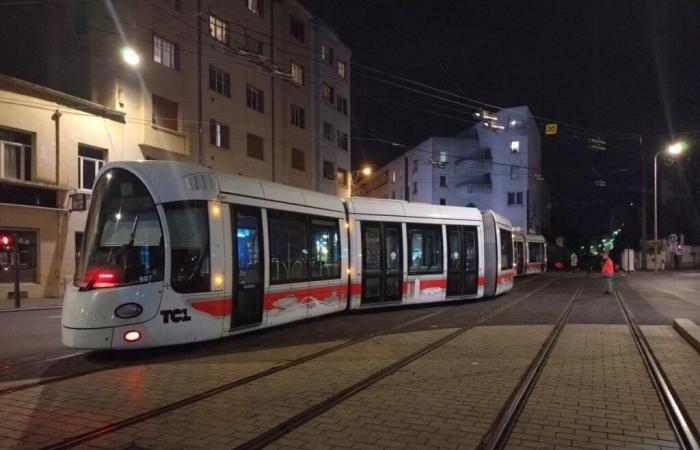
{"points": [[128, 310], [132, 336]]}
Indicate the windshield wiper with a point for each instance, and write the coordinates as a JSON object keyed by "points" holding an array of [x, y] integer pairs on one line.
{"points": [[116, 253]]}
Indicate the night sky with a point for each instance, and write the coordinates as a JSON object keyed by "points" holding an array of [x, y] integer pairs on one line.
{"points": [[615, 69]]}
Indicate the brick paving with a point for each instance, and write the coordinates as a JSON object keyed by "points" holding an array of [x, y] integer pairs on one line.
{"points": [[233, 417], [680, 362], [594, 393], [445, 400], [36, 416]]}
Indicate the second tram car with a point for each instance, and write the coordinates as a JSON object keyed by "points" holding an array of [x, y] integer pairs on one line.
{"points": [[530, 253], [177, 253]]}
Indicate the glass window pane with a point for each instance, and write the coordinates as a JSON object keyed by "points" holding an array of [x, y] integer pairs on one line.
{"points": [[392, 241], [88, 174], [188, 223], [425, 244], [506, 250], [371, 247], [289, 252], [454, 246], [325, 248], [12, 168], [248, 249]]}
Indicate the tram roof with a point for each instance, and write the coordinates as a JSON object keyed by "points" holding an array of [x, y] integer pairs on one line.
{"points": [[383, 207], [174, 181]]}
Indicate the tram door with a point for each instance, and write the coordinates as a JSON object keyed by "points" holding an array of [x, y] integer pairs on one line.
{"points": [[248, 289], [463, 261], [382, 262], [519, 258]]}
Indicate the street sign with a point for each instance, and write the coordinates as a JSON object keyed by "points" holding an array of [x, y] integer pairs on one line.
{"points": [[550, 129], [672, 239]]}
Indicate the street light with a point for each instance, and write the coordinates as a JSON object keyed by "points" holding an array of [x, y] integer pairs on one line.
{"points": [[674, 149], [355, 175], [130, 56]]}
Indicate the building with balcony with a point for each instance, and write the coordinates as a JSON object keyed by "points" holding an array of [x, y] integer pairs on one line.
{"points": [[240, 87], [487, 167]]}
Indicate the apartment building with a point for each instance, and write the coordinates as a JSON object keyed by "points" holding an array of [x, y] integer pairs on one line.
{"points": [[496, 164], [236, 86]]}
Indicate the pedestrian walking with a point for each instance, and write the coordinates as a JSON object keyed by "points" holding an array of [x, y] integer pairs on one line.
{"points": [[574, 262], [608, 272]]}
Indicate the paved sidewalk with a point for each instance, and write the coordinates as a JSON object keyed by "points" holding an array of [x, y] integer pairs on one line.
{"points": [[31, 304]]}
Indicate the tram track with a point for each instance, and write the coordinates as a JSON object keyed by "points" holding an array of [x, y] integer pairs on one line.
{"points": [[498, 434], [10, 365], [684, 429], [315, 410]]}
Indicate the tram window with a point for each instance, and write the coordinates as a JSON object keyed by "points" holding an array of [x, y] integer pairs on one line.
{"points": [[506, 249], [188, 224], [534, 250], [425, 247], [325, 248], [289, 250]]}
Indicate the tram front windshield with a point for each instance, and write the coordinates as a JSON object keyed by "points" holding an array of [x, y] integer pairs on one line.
{"points": [[123, 242]]}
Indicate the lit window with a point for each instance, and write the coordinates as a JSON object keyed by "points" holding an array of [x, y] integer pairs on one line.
{"points": [[90, 161], [327, 93], [297, 74], [327, 54], [218, 29], [165, 52], [15, 155], [515, 146], [342, 69], [255, 6], [218, 134], [443, 157], [393, 176], [515, 123], [255, 99], [297, 114]]}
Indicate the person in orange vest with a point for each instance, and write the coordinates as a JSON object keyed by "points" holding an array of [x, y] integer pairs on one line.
{"points": [[608, 272]]}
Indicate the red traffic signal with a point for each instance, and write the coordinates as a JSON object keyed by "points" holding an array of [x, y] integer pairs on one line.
{"points": [[5, 240]]}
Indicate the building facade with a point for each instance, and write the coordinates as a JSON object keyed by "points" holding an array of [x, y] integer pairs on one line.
{"points": [[495, 164], [236, 86]]}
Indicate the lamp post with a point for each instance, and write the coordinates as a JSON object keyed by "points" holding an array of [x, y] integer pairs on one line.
{"points": [[673, 150]]}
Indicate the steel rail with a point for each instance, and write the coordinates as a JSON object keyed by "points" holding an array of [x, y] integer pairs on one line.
{"points": [[501, 428], [683, 427]]}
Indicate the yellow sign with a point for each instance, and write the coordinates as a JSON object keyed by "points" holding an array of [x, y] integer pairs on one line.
{"points": [[550, 129]]}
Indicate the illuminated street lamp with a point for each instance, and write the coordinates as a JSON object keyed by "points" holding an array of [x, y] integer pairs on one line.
{"points": [[355, 175], [130, 56], [674, 149]]}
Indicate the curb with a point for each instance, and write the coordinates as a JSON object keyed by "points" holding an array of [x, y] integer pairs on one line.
{"points": [[36, 308], [689, 331]]}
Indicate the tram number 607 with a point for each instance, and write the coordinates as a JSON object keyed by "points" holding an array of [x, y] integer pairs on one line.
{"points": [[175, 315]]}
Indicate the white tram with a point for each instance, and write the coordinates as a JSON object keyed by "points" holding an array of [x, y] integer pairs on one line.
{"points": [[176, 253], [530, 252]]}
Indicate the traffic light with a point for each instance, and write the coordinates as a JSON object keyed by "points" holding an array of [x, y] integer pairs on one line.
{"points": [[6, 241]]}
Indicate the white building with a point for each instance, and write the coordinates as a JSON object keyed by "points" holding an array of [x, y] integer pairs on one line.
{"points": [[485, 166]]}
